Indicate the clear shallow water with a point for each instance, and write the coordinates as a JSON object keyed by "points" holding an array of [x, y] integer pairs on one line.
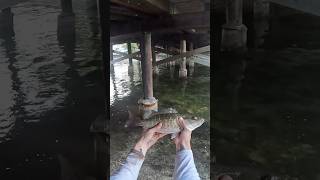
{"points": [[266, 103], [50, 84], [190, 96]]}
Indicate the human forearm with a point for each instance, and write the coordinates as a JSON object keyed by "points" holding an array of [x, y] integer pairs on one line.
{"points": [[130, 169], [184, 166]]}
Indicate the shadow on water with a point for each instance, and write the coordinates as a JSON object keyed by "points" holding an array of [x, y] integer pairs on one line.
{"points": [[52, 92], [266, 101]]}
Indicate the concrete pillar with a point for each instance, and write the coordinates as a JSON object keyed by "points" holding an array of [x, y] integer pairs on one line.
{"points": [[154, 59], [148, 102], [234, 33], [183, 68], [66, 6], [6, 23]]}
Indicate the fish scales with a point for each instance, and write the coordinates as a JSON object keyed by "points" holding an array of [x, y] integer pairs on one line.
{"points": [[168, 121]]}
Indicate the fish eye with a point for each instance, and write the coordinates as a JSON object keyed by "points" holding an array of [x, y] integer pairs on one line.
{"points": [[194, 117]]}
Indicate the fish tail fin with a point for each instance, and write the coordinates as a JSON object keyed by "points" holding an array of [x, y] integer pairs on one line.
{"points": [[133, 120]]}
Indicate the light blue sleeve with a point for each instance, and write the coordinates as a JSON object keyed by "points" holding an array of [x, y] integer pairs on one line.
{"points": [[130, 169], [185, 169]]}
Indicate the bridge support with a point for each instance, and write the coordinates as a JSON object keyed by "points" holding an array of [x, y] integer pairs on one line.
{"points": [[234, 33], [6, 22], [183, 68], [148, 103]]}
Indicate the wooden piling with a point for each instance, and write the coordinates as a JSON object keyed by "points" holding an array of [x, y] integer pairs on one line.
{"points": [[111, 52], [183, 68], [154, 60], [6, 22], [146, 65], [129, 52], [66, 6], [148, 102], [234, 33]]}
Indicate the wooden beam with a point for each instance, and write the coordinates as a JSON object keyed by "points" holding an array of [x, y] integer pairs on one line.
{"points": [[136, 56], [161, 4], [176, 22], [182, 55], [166, 51], [133, 55], [123, 38], [141, 6]]}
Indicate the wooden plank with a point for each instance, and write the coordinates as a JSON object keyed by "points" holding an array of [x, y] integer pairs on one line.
{"points": [[133, 55], [182, 55]]}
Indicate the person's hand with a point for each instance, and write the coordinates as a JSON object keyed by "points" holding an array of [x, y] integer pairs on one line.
{"points": [[148, 138], [183, 139]]}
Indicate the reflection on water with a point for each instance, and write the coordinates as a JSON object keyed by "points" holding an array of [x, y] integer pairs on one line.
{"points": [[191, 96], [266, 103], [50, 83]]}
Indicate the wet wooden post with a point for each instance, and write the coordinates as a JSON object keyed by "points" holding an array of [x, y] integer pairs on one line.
{"points": [[183, 68], [154, 60], [191, 62], [171, 64], [129, 52], [261, 13], [66, 6], [6, 22], [148, 102], [111, 52], [234, 33], [130, 67], [66, 21]]}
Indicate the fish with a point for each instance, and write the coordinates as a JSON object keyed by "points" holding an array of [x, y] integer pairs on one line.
{"points": [[169, 120]]}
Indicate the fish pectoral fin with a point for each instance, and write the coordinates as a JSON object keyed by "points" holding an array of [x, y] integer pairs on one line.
{"points": [[174, 135]]}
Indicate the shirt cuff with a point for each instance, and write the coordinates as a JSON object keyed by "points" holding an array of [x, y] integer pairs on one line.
{"points": [[184, 152]]}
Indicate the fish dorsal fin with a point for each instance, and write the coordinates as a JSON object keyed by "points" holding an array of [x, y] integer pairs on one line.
{"points": [[150, 114]]}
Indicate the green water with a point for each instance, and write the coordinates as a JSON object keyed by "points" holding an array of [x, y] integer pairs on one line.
{"points": [[189, 96]]}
